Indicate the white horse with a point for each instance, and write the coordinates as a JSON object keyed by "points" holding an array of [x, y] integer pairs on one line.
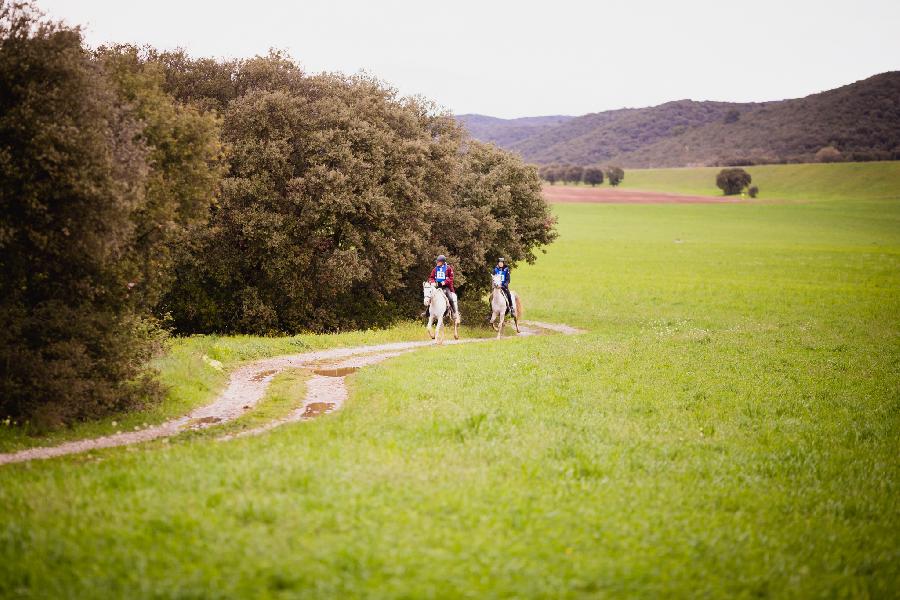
{"points": [[499, 306], [438, 304]]}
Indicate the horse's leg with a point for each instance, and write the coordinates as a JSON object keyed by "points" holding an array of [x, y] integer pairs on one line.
{"points": [[515, 315], [500, 325], [428, 327], [455, 329], [439, 332], [494, 312]]}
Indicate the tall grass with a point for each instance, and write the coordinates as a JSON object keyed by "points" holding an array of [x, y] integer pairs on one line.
{"points": [[728, 426]]}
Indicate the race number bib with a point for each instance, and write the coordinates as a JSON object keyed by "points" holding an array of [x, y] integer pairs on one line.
{"points": [[440, 274]]}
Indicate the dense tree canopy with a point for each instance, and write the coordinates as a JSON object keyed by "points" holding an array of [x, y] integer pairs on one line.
{"points": [[593, 175], [338, 196], [615, 175], [72, 177], [219, 196], [732, 181]]}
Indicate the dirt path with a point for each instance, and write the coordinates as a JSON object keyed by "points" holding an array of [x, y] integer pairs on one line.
{"points": [[326, 392], [607, 195]]}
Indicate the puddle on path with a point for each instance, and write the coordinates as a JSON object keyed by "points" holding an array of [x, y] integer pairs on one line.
{"points": [[263, 374], [336, 371], [314, 409]]}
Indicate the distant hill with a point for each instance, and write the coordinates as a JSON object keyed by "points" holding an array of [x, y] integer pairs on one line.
{"points": [[504, 132], [862, 120]]}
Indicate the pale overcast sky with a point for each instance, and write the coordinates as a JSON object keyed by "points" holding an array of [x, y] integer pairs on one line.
{"points": [[511, 59]]}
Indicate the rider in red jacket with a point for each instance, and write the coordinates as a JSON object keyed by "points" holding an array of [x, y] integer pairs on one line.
{"points": [[442, 277]]}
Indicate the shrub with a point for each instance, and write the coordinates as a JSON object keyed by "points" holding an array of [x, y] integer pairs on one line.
{"points": [[185, 167], [73, 177], [828, 154], [732, 116], [593, 175], [549, 174], [574, 174], [732, 181], [338, 196], [559, 172], [753, 191], [615, 175]]}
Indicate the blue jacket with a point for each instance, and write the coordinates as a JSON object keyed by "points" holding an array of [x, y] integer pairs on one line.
{"points": [[505, 272]]}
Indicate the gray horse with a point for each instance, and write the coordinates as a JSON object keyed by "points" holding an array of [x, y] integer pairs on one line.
{"points": [[438, 303], [499, 306]]}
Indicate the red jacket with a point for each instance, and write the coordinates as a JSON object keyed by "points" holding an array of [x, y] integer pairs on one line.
{"points": [[448, 277]]}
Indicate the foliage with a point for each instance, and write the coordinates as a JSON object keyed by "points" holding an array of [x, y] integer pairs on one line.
{"points": [[549, 173], [615, 175], [862, 119], [753, 191], [73, 171], [338, 197], [184, 168], [504, 132], [235, 195], [593, 175], [828, 154], [732, 181], [574, 174]]}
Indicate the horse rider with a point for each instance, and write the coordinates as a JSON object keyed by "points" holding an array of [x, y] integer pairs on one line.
{"points": [[502, 269], [442, 277]]}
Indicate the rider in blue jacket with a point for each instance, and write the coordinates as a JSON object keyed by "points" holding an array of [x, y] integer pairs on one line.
{"points": [[502, 269]]}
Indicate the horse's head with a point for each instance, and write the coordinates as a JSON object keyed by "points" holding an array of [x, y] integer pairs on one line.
{"points": [[427, 292], [498, 280]]}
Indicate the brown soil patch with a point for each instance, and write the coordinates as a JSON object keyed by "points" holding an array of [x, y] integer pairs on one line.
{"points": [[608, 195], [336, 371], [263, 374], [314, 409]]}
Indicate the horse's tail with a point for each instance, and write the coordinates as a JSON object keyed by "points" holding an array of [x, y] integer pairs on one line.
{"points": [[519, 309]]}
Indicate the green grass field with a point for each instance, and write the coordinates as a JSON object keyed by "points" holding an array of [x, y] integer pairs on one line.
{"points": [[729, 425], [836, 181]]}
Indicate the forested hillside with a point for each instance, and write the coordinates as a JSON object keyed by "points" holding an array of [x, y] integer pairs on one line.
{"points": [[860, 121], [504, 132]]}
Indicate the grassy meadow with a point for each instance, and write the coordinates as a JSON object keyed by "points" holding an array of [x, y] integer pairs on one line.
{"points": [[728, 425], [812, 181]]}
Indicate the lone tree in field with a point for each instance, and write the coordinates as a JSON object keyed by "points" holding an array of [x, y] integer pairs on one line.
{"points": [[828, 154], [732, 181], [574, 174], [615, 175], [593, 175]]}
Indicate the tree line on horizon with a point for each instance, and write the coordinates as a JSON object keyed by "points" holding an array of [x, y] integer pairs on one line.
{"points": [[574, 174], [143, 192]]}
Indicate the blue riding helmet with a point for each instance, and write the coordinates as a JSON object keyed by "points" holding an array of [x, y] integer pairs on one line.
{"points": [[441, 258]]}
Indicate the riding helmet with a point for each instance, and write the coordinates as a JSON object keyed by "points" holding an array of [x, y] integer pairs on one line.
{"points": [[441, 258]]}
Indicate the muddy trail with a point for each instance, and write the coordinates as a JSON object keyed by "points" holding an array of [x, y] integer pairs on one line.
{"points": [[326, 392], [605, 195]]}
